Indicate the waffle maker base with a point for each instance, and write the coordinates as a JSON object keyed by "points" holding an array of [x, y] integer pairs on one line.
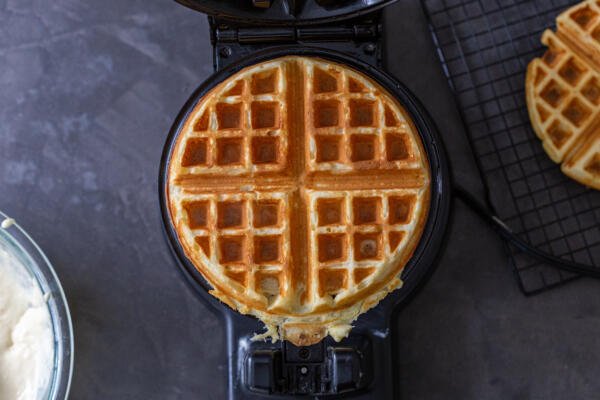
{"points": [[362, 365]]}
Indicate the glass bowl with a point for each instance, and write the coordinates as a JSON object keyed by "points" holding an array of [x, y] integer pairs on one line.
{"points": [[19, 244]]}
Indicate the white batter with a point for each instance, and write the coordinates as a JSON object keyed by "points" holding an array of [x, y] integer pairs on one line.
{"points": [[26, 338]]}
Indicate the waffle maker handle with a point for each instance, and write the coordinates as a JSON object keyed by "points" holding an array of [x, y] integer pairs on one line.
{"points": [[359, 366]]}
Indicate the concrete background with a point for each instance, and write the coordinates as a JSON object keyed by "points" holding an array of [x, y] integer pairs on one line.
{"points": [[88, 91]]}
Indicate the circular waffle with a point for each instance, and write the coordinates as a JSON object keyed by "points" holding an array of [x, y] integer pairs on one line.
{"points": [[299, 188]]}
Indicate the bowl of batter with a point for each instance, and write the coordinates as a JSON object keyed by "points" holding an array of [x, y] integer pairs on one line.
{"points": [[36, 333]]}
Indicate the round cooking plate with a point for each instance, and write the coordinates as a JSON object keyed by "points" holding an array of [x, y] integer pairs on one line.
{"points": [[281, 12], [433, 231]]}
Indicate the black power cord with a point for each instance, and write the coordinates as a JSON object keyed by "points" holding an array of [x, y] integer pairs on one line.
{"points": [[505, 232]]}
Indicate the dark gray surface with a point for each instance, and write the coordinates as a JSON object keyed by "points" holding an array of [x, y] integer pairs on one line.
{"points": [[88, 91]]}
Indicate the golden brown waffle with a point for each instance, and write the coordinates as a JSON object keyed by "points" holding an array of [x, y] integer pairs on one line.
{"points": [[299, 188], [563, 93]]}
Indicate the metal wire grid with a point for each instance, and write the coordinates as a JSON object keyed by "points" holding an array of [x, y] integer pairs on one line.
{"points": [[484, 47]]}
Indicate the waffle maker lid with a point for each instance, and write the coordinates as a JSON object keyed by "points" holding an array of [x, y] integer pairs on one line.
{"points": [[285, 12]]}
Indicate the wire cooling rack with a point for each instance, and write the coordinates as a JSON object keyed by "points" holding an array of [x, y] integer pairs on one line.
{"points": [[484, 47]]}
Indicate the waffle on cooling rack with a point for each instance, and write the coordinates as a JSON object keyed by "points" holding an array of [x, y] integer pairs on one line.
{"points": [[563, 93], [299, 188]]}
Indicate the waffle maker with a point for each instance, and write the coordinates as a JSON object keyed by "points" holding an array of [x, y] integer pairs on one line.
{"points": [[247, 32]]}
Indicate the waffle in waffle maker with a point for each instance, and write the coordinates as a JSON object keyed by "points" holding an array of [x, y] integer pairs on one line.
{"points": [[308, 192]]}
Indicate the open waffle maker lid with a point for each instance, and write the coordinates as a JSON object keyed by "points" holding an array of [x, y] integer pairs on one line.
{"points": [[285, 12]]}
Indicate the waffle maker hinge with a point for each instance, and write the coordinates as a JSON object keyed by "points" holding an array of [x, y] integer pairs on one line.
{"points": [[315, 370], [360, 38], [360, 366]]}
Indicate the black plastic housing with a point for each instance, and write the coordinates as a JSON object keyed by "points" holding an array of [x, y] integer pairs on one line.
{"points": [[286, 12], [372, 336]]}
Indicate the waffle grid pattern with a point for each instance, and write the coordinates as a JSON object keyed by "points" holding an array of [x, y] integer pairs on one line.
{"points": [[583, 21], [244, 232], [568, 89], [374, 225], [356, 232], [371, 133], [242, 131], [485, 47]]}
